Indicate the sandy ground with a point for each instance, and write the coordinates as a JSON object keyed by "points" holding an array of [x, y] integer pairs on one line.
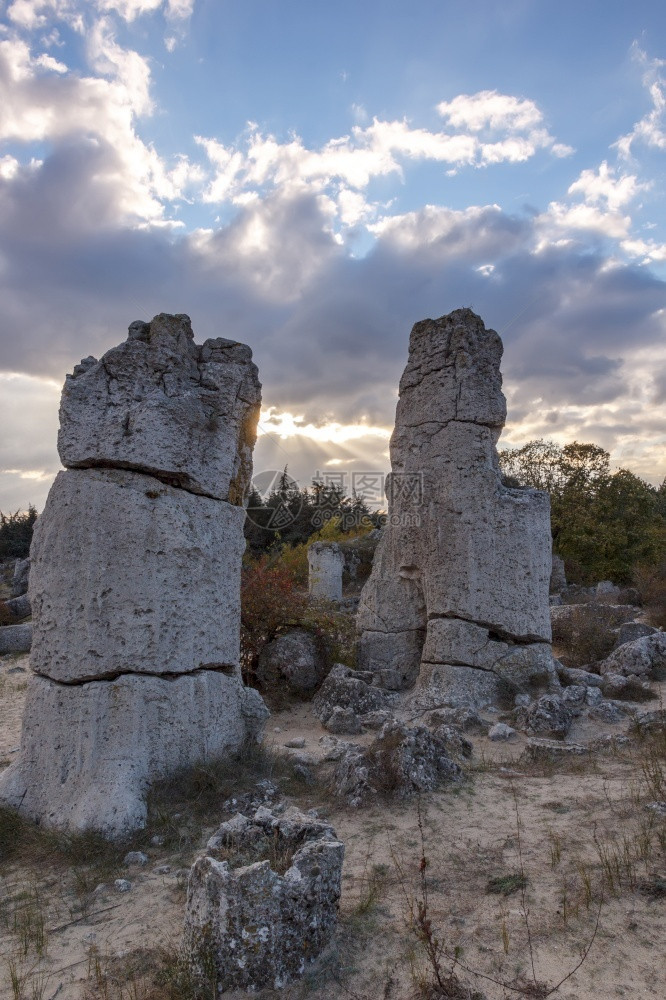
{"points": [[580, 830]]}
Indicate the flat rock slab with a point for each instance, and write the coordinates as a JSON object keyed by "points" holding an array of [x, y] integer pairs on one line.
{"points": [[131, 575], [161, 404], [89, 751]]}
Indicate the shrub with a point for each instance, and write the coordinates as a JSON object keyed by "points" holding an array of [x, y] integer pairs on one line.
{"points": [[16, 533], [270, 605]]}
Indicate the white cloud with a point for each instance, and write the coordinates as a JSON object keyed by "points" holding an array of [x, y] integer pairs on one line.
{"points": [[129, 10], [344, 166], [488, 109], [40, 100], [603, 186], [650, 129], [562, 219], [31, 14]]}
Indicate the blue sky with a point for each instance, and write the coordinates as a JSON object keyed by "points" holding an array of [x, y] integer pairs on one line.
{"points": [[313, 179]]}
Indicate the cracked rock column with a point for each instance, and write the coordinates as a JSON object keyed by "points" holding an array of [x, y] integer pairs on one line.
{"points": [[135, 580], [458, 594]]}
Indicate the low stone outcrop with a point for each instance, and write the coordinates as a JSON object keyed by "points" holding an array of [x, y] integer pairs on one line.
{"points": [[461, 574], [348, 690], [642, 657], [19, 607], [402, 761], [15, 638], [549, 715], [262, 928], [135, 580]]}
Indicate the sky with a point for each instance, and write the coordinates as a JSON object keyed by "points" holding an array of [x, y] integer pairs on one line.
{"points": [[313, 178]]}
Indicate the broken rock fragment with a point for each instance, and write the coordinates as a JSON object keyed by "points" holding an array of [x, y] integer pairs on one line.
{"points": [[261, 927]]}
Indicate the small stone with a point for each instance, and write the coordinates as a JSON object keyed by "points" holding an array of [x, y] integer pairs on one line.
{"points": [[500, 731], [163, 869], [135, 858], [157, 840], [296, 744], [122, 885]]}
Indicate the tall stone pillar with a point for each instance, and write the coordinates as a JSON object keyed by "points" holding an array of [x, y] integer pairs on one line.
{"points": [[135, 580], [458, 594]]}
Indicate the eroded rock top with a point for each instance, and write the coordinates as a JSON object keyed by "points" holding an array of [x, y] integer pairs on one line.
{"points": [[453, 373], [163, 405]]}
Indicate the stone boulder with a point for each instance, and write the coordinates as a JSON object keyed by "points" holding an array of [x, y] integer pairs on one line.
{"points": [[295, 660], [163, 405], [16, 638], [262, 928], [631, 631], [549, 715], [402, 762], [642, 657], [350, 690], [461, 553], [19, 607]]}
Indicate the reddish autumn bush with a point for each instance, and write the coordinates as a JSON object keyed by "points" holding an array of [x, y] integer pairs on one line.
{"points": [[269, 605]]}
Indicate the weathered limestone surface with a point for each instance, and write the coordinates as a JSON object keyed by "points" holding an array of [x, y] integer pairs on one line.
{"points": [[89, 751], [162, 404], [325, 565], [135, 580], [130, 575], [462, 571], [262, 928]]}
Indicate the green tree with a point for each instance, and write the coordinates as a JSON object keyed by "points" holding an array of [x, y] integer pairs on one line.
{"points": [[16, 533], [603, 523]]}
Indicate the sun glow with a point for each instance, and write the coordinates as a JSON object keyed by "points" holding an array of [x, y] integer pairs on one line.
{"points": [[288, 425]]}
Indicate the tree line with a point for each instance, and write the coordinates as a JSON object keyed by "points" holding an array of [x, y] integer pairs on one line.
{"points": [[606, 525]]}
